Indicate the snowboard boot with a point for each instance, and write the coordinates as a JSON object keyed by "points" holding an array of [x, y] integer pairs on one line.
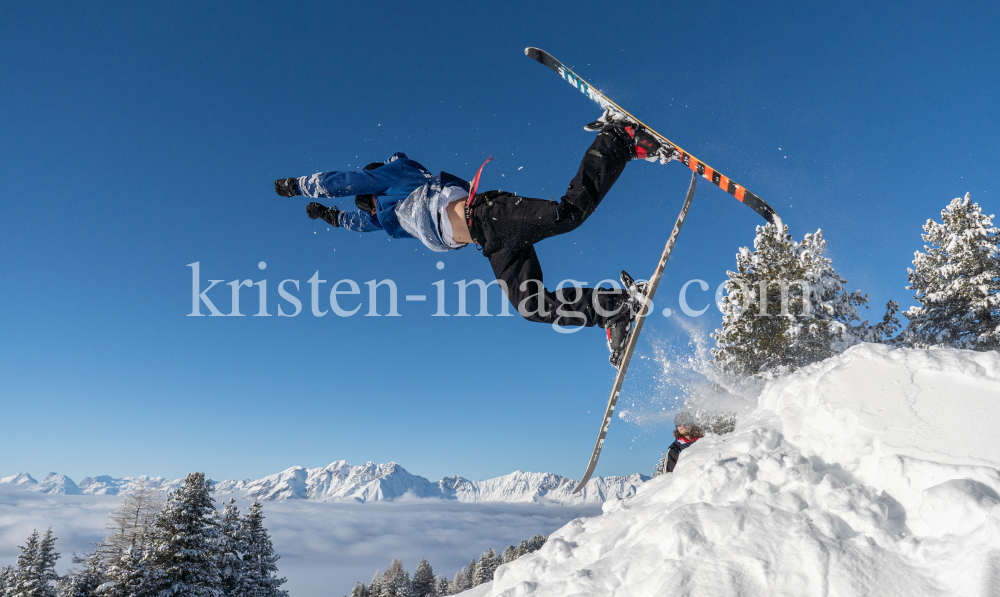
{"points": [[287, 187], [646, 146], [620, 330], [609, 117]]}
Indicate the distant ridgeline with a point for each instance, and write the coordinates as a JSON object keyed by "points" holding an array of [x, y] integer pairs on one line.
{"points": [[340, 481]]}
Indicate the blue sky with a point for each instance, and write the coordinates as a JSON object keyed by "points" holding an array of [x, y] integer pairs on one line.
{"points": [[138, 138]]}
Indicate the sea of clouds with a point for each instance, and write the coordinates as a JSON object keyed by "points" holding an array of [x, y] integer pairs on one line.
{"points": [[324, 547]]}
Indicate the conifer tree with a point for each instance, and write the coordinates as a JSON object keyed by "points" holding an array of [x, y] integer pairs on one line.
{"points": [[36, 567], [375, 588], [359, 590], [471, 574], [442, 586], [661, 466], [183, 544], [786, 307], [129, 576], [82, 582], [258, 571], [509, 555], [29, 553], [396, 581], [423, 580], [957, 281], [228, 547], [486, 566], [522, 547], [461, 581], [536, 542], [8, 577]]}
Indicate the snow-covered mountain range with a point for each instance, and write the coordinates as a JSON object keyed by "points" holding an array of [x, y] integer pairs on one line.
{"points": [[340, 481]]}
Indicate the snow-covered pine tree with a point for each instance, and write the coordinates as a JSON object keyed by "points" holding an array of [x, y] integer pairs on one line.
{"points": [[461, 581], [84, 581], [442, 586], [957, 281], [508, 555], [8, 577], [259, 568], [360, 590], [396, 581], [36, 567], [129, 576], [536, 542], [184, 541], [661, 466], [227, 547], [423, 580], [786, 332], [486, 566], [24, 581], [131, 522], [375, 588], [471, 573], [522, 547]]}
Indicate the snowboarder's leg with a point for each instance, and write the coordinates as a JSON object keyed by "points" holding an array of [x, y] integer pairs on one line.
{"points": [[502, 219], [521, 273], [507, 227], [600, 167]]}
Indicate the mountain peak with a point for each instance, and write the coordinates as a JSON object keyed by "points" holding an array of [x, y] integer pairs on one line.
{"points": [[341, 481]]}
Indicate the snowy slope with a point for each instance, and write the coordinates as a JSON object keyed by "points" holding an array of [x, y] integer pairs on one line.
{"points": [[340, 481], [871, 473]]}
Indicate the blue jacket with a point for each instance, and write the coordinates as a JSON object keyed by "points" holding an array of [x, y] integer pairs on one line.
{"points": [[391, 184]]}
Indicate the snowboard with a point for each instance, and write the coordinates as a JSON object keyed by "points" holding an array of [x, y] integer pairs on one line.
{"points": [[654, 281], [701, 168]]}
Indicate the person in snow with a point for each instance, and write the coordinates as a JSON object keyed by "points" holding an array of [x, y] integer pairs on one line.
{"points": [[404, 199], [686, 433]]}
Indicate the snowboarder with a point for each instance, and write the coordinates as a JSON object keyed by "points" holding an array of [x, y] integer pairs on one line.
{"points": [[405, 200], [686, 433]]}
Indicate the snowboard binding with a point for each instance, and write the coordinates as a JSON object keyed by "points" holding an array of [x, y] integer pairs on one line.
{"points": [[620, 331], [646, 145]]}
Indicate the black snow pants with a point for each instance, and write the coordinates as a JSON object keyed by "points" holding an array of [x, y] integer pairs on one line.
{"points": [[508, 226]]}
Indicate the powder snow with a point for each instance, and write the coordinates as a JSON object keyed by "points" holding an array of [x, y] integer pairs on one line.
{"points": [[871, 473]]}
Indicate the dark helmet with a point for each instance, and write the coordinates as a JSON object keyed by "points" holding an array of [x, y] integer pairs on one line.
{"points": [[367, 202]]}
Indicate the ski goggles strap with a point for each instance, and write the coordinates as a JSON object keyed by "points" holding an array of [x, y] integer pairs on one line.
{"points": [[472, 192]]}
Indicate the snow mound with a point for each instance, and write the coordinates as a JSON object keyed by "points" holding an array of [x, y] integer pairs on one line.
{"points": [[871, 473]]}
